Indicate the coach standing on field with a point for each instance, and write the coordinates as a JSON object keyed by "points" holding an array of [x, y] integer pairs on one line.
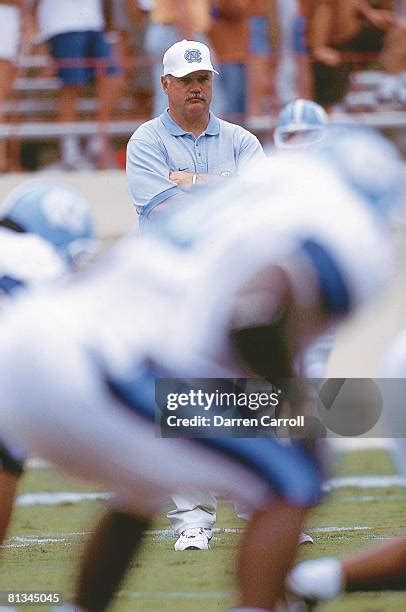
{"points": [[187, 146], [169, 159]]}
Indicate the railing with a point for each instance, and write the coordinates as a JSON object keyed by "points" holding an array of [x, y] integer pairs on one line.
{"points": [[18, 109]]}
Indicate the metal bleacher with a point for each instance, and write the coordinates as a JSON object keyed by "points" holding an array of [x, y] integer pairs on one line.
{"points": [[32, 108]]}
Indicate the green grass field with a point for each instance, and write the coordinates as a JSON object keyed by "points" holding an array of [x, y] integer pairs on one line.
{"points": [[45, 542]]}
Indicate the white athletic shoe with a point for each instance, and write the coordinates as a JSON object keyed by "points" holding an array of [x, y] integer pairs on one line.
{"points": [[194, 538], [316, 580], [305, 538]]}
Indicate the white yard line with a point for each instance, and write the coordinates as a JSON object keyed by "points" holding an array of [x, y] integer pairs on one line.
{"points": [[367, 499], [157, 534], [175, 595], [338, 529], [369, 481], [56, 498]]}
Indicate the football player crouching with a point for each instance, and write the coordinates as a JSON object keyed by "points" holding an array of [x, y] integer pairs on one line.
{"points": [[266, 274], [45, 226]]}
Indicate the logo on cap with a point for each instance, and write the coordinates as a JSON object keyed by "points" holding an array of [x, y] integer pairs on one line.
{"points": [[193, 55]]}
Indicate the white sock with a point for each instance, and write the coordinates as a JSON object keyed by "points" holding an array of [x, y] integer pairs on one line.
{"points": [[319, 579]]}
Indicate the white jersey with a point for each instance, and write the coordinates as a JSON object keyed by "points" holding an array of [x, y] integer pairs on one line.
{"points": [[26, 262], [301, 198], [134, 286], [150, 301], [252, 222], [61, 16], [27, 259]]}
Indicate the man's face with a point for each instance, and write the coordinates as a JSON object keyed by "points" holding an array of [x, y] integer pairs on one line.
{"points": [[189, 97]]}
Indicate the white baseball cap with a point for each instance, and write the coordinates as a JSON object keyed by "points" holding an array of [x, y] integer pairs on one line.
{"points": [[185, 57]]}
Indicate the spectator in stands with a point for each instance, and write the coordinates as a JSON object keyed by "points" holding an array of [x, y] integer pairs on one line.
{"points": [[291, 52], [172, 21], [304, 78], [263, 40], [75, 31], [229, 38], [338, 29], [393, 86], [141, 82], [120, 15], [128, 20], [10, 20]]}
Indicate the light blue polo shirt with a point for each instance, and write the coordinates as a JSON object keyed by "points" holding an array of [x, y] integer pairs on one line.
{"points": [[161, 146]]}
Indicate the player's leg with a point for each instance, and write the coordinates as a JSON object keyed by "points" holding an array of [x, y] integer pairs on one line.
{"points": [[243, 513], [11, 469], [8, 489], [381, 567], [108, 554], [267, 551]]}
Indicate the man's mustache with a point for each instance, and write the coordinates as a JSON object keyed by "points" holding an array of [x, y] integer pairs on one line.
{"points": [[196, 97]]}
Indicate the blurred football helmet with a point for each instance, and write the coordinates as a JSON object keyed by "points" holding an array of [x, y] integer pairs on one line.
{"points": [[301, 124], [56, 212]]}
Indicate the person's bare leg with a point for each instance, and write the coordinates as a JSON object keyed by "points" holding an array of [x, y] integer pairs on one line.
{"points": [[109, 89], [259, 70], [378, 568], [68, 97], [381, 567], [267, 551], [7, 74], [107, 557], [8, 489], [304, 77], [70, 148]]}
